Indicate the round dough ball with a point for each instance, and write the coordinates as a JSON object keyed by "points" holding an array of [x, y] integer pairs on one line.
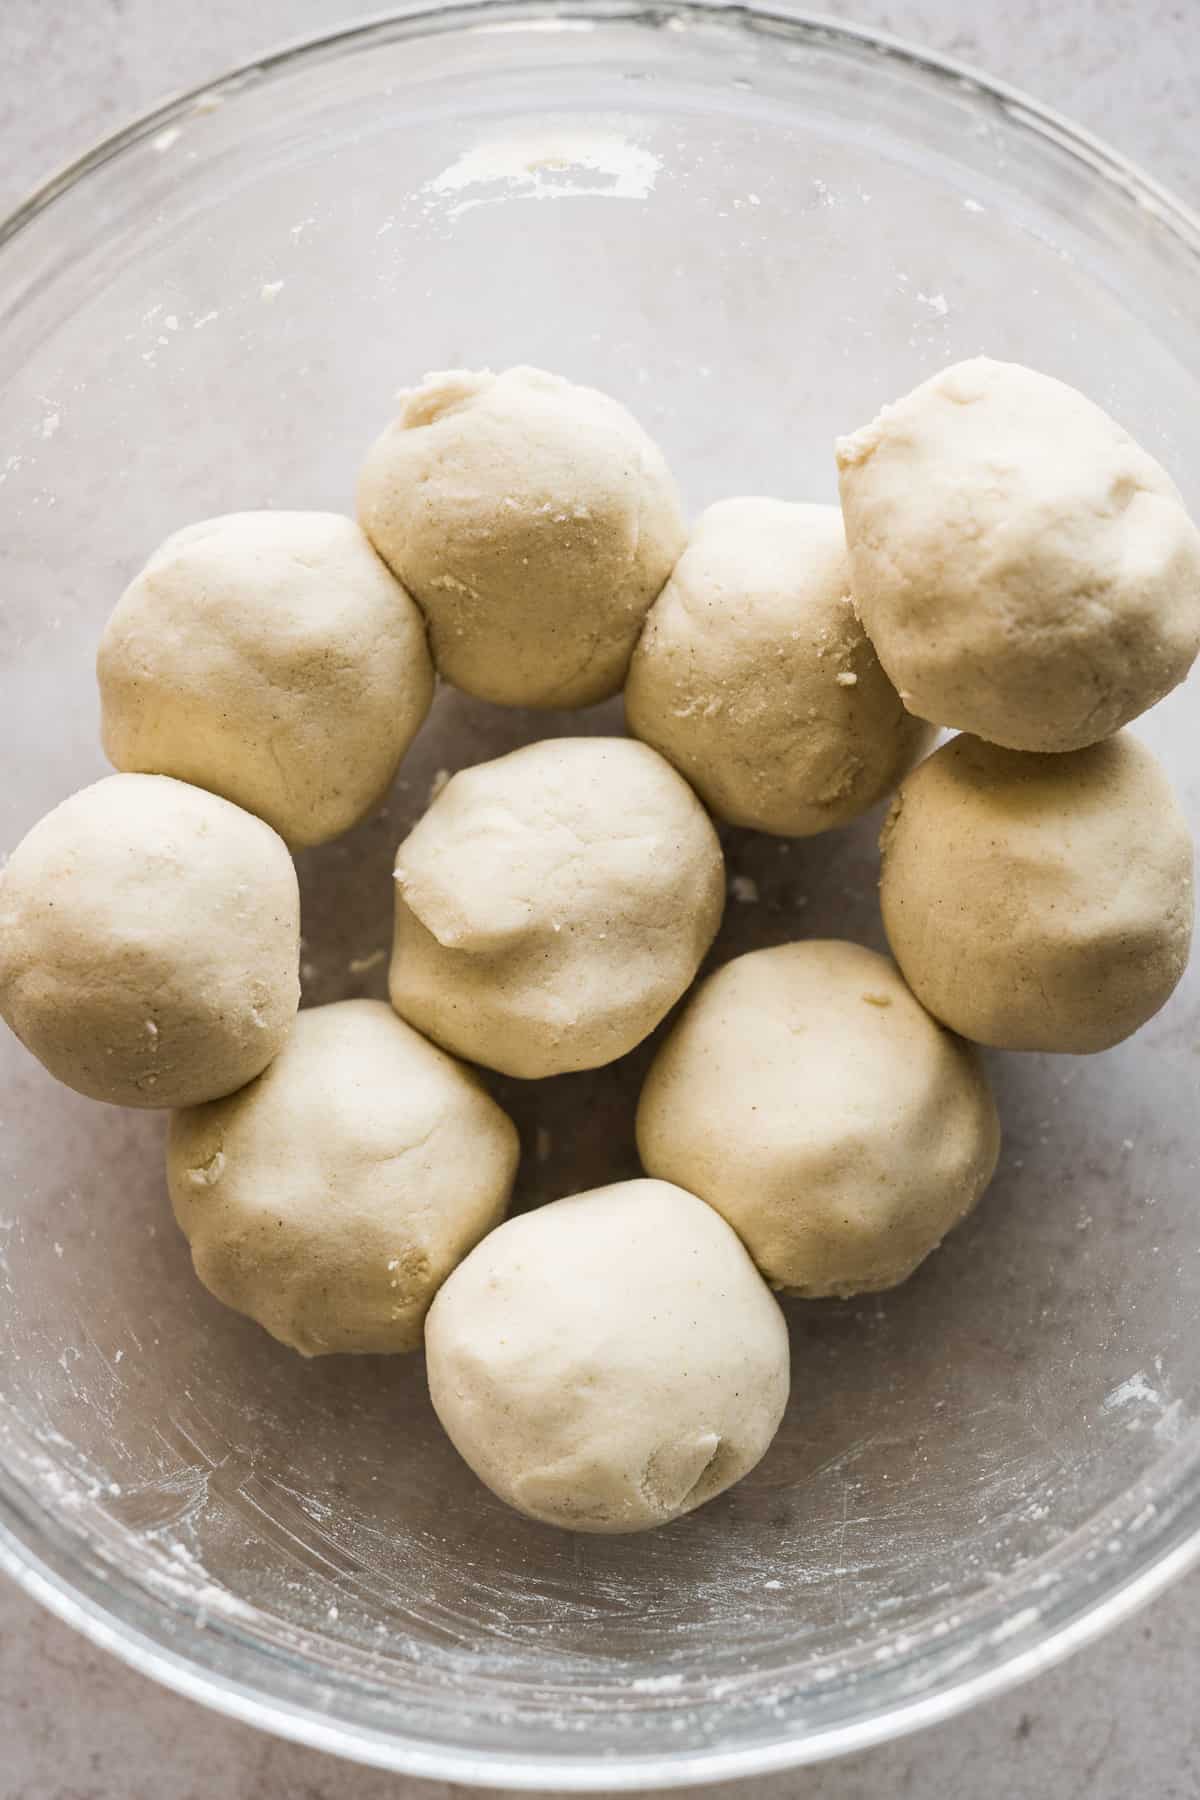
{"points": [[150, 943], [534, 521], [1023, 569], [553, 905], [272, 658], [807, 1096], [754, 677], [611, 1361], [331, 1198], [1039, 902]]}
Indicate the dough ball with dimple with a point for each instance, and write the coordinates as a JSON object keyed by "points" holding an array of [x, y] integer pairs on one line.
{"points": [[150, 942], [1025, 571], [553, 905], [755, 679], [330, 1199], [273, 658], [1039, 902], [535, 522], [611, 1361], [839, 1129]]}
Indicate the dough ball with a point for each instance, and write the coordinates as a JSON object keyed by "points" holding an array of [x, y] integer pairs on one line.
{"points": [[1039, 902], [610, 1361], [1024, 570], [272, 658], [331, 1198], [534, 521], [807, 1096], [150, 943], [754, 677], [553, 905]]}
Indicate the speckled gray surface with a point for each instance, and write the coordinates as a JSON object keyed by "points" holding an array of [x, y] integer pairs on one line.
{"points": [[1120, 1719]]}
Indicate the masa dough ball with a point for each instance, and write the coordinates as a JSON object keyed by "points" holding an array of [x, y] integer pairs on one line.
{"points": [[553, 905], [807, 1096], [535, 522], [755, 679], [331, 1198], [1025, 571], [150, 942], [1039, 902], [273, 658], [610, 1361]]}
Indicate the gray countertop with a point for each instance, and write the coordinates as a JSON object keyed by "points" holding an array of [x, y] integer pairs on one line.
{"points": [[1120, 1719]]}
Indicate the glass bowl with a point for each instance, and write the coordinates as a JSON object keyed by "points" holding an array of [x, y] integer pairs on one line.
{"points": [[753, 228]]}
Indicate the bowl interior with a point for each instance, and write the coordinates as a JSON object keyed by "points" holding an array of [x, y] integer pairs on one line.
{"points": [[753, 233]]}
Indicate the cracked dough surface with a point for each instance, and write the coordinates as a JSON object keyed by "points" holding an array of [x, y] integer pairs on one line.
{"points": [[1025, 571], [331, 1198], [534, 520], [273, 658], [150, 942], [610, 1361], [1039, 902], [807, 1096], [755, 679], [553, 905]]}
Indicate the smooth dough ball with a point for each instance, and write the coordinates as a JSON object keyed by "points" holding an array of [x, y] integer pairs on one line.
{"points": [[611, 1361], [331, 1198], [272, 658], [150, 943], [807, 1096], [1039, 902], [535, 522], [553, 905], [1023, 569], [754, 677]]}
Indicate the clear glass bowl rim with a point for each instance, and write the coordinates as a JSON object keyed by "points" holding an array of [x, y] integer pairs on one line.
{"points": [[60, 1570]]}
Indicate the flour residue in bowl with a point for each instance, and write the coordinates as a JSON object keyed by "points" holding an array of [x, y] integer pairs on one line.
{"points": [[548, 166], [1149, 1402]]}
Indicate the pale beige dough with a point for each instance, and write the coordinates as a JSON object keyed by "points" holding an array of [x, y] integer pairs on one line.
{"points": [[553, 905], [1025, 571], [535, 522], [1039, 902], [331, 1198], [839, 1129], [611, 1361], [150, 942], [273, 658], [755, 679]]}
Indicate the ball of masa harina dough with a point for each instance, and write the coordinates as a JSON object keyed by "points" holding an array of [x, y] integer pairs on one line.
{"points": [[150, 942], [1025, 571], [808, 1097], [331, 1198], [534, 521], [1039, 902], [553, 905], [273, 658], [755, 679], [610, 1361]]}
